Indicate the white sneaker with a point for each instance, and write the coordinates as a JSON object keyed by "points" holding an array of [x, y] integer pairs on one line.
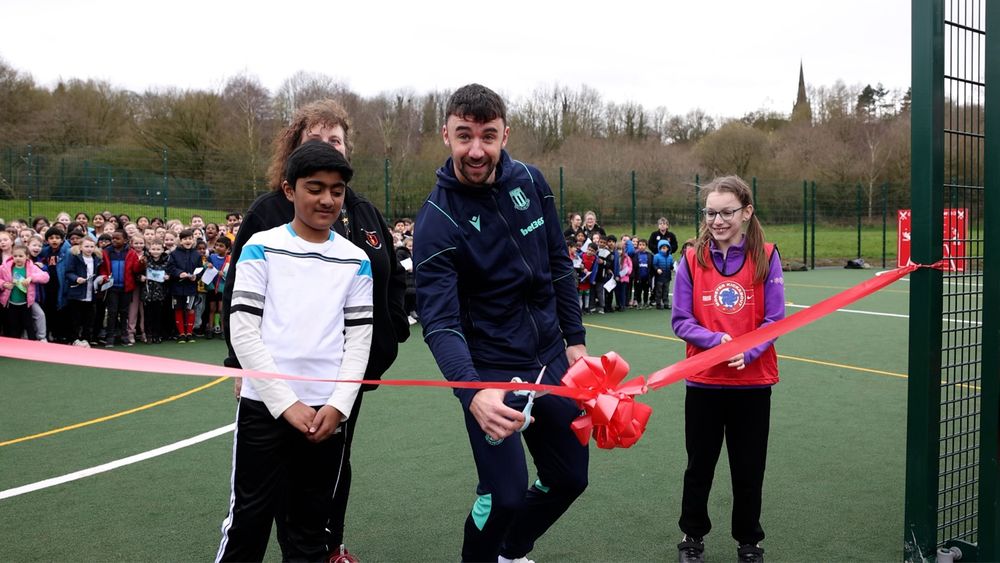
{"points": [[81, 343], [502, 559], [411, 320]]}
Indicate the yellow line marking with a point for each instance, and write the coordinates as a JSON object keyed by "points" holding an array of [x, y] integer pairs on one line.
{"points": [[782, 356], [113, 416]]}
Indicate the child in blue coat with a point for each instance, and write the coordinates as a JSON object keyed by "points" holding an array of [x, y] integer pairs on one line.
{"points": [[663, 266]]}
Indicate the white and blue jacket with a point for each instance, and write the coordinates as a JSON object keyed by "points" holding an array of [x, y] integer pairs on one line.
{"points": [[495, 286]]}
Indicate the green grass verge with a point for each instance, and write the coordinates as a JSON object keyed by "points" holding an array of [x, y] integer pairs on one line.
{"points": [[19, 209]]}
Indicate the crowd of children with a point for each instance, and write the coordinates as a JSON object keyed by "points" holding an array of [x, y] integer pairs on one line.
{"points": [[616, 274], [106, 280]]}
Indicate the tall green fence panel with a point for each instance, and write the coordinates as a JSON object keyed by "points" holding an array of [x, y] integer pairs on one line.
{"points": [[945, 506]]}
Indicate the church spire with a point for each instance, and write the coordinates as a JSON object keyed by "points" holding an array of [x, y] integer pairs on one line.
{"points": [[802, 111]]}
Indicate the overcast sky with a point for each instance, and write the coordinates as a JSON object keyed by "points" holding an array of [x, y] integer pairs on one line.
{"points": [[728, 57]]}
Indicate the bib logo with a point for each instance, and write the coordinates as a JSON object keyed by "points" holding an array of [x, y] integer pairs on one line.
{"points": [[521, 201], [729, 297], [371, 237], [531, 227]]}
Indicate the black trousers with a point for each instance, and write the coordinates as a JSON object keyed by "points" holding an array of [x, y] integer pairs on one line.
{"points": [[117, 302], [278, 476], [642, 291], [81, 315], [342, 488], [152, 319], [16, 320], [742, 417], [508, 516]]}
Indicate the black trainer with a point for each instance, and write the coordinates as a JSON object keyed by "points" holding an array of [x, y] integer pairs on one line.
{"points": [[691, 550], [750, 553]]}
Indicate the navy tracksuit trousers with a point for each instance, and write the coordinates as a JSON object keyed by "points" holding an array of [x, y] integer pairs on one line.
{"points": [[508, 515]]}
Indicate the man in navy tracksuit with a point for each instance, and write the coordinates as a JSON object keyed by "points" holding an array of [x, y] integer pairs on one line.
{"points": [[496, 294]]}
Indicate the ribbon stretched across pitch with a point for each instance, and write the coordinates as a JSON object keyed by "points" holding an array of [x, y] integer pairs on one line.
{"points": [[611, 414], [712, 356]]}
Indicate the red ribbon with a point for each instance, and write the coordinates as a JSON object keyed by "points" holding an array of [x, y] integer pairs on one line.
{"points": [[612, 416], [122, 361], [708, 358]]}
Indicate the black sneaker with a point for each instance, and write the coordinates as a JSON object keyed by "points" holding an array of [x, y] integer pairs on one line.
{"points": [[691, 550], [750, 553]]}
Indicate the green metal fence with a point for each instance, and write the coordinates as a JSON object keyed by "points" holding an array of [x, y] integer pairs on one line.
{"points": [[45, 180], [951, 473]]}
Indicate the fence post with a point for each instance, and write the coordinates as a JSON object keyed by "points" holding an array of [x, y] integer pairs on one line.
{"points": [[38, 176], [633, 204], [885, 217], [62, 175], [812, 237], [805, 221], [923, 407], [388, 182], [562, 200], [857, 210], [697, 197], [165, 184], [989, 456], [754, 186], [29, 182]]}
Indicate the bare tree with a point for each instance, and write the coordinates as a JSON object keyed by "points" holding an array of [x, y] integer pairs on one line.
{"points": [[249, 120]]}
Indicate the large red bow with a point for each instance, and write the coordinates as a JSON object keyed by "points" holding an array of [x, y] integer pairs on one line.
{"points": [[611, 415]]}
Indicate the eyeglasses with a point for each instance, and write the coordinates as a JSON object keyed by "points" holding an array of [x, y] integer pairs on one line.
{"points": [[726, 214]]}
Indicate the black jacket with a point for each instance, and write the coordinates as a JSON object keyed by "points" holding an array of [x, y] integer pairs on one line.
{"points": [[367, 229], [183, 260], [656, 236]]}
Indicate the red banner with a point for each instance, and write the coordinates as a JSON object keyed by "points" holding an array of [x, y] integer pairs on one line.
{"points": [[956, 228]]}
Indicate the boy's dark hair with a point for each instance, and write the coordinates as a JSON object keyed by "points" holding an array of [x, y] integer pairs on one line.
{"points": [[316, 156], [642, 241], [120, 231], [77, 233], [186, 233], [53, 230], [232, 214], [477, 102], [610, 238], [224, 241], [197, 215], [104, 236]]}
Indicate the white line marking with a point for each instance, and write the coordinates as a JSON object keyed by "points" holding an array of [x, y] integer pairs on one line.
{"points": [[9, 493], [878, 314]]}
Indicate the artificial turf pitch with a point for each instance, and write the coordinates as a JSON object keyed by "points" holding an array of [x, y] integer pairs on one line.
{"points": [[833, 487]]}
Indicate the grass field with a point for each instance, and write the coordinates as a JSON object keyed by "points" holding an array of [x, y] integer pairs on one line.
{"points": [[833, 489], [18, 209]]}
